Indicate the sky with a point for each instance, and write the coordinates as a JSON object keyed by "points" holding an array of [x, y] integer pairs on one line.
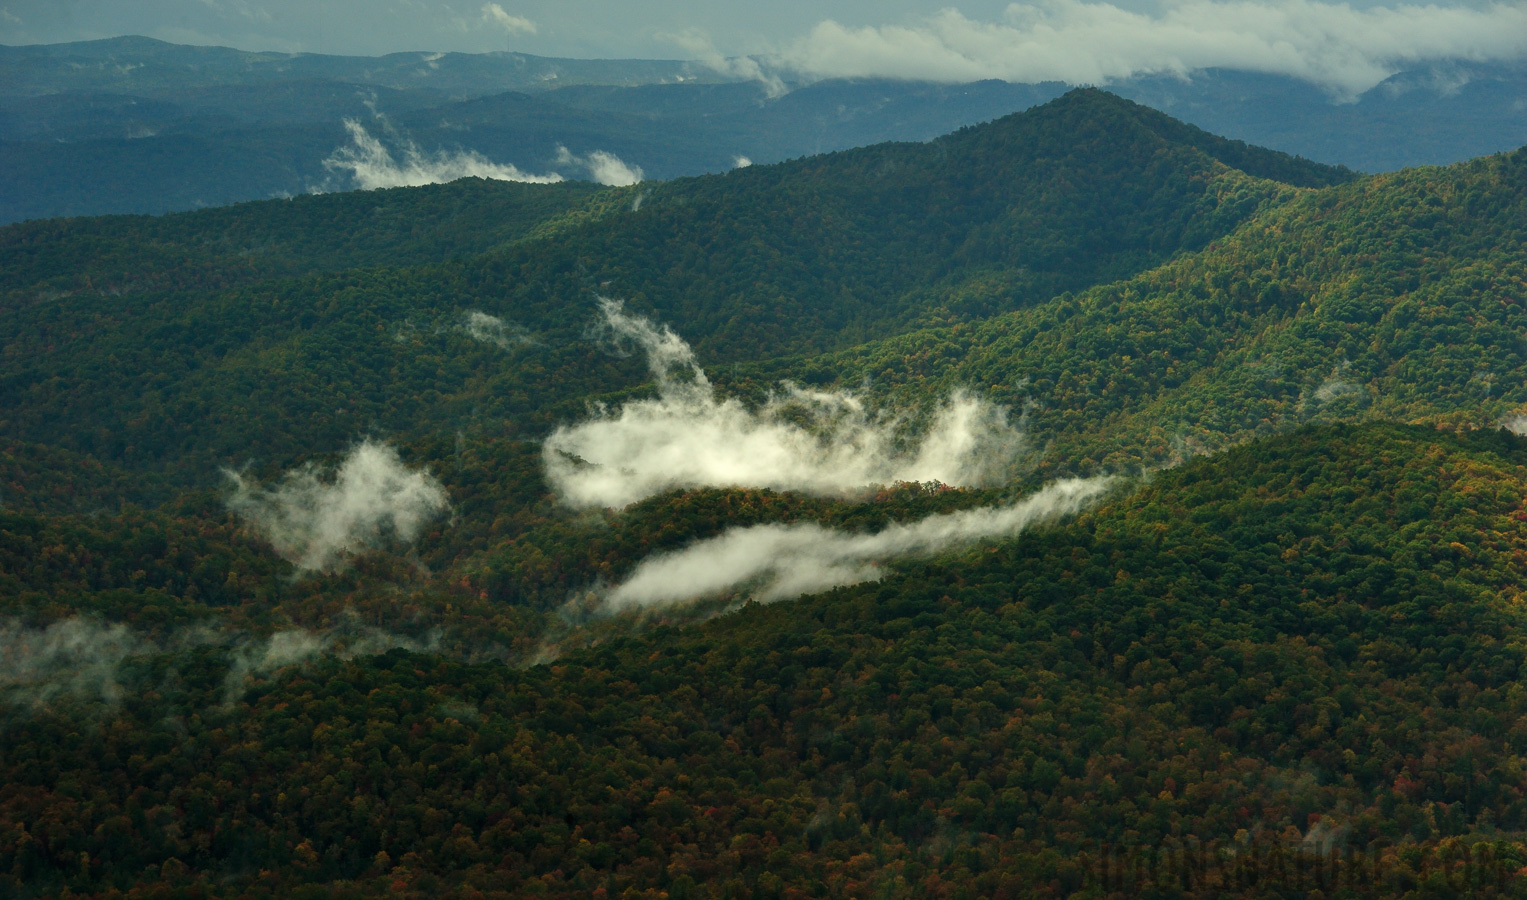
{"points": [[1344, 47], [576, 28]]}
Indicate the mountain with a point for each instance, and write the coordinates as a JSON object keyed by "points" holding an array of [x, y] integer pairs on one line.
{"points": [[808, 256], [132, 125], [1394, 296], [1075, 503]]}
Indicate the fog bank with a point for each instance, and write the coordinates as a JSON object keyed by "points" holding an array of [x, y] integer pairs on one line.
{"points": [[1344, 49]]}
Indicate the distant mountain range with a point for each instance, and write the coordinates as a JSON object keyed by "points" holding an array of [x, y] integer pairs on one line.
{"points": [[133, 125]]}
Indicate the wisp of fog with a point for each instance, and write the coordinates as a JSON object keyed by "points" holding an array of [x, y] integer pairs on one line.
{"points": [[777, 562], [373, 166], [490, 329], [75, 656], [688, 438], [296, 646], [82, 658], [316, 521]]}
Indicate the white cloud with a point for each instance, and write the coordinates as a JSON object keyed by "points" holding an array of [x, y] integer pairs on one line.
{"points": [[605, 168], [316, 522], [687, 438], [1345, 50], [746, 68], [494, 14], [777, 562], [373, 166], [741, 162]]}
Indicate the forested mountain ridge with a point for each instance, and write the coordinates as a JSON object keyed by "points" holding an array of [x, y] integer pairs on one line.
{"points": [[809, 255], [216, 248], [259, 228], [1397, 296], [1265, 628], [832, 249]]}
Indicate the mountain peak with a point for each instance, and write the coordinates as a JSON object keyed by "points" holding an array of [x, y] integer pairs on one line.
{"points": [[1089, 114]]}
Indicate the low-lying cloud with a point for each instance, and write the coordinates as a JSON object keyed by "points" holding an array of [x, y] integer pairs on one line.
{"points": [[688, 438], [76, 657], [81, 658], [777, 562], [1344, 49], [373, 166], [605, 168], [317, 521]]}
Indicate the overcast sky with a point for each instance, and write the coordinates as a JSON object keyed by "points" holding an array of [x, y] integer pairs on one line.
{"points": [[608, 28], [1346, 47]]}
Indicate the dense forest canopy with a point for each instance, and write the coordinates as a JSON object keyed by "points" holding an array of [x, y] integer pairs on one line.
{"points": [[1116, 488]]}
